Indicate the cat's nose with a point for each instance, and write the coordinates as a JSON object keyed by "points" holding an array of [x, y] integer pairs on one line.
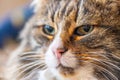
{"points": [[59, 51]]}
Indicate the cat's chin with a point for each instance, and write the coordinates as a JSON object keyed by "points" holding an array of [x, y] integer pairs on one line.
{"points": [[65, 71]]}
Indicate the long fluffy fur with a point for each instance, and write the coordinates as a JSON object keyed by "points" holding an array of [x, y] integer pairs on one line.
{"points": [[96, 55]]}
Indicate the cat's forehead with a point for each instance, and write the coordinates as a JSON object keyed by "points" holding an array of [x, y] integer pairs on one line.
{"points": [[103, 12]]}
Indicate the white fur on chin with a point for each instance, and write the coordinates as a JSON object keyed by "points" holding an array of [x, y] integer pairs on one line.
{"points": [[84, 73]]}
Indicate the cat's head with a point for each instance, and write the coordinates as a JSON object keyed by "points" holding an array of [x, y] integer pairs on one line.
{"points": [[79, 36]]}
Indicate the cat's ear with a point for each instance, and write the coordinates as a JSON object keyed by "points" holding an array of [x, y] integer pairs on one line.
{"points": [[39, 4]]}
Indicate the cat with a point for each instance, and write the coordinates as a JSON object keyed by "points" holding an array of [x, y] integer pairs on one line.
{"points": [[69, 40]]}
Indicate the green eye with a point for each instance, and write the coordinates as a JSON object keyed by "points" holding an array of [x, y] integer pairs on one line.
{"points": [[84, 30], [48, 30]]}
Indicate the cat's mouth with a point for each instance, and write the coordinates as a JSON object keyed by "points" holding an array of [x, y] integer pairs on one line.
{"points": [[67, 60], [66, 64], [65, 71]]}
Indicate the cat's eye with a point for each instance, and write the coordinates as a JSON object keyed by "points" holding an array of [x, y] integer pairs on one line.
{"points": [[49, 30], [83, 30]]}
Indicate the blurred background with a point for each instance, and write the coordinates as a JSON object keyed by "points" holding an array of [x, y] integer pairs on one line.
{"points": [[13, 16]]}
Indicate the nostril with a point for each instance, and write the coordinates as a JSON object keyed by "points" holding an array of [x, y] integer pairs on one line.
{"points": [[61, 50]]}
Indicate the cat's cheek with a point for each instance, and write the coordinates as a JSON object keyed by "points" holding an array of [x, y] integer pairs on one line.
{"points": [[50, 59]]}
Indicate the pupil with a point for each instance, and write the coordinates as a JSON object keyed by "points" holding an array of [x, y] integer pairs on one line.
{"points": [[49, 29], [86, 28]]}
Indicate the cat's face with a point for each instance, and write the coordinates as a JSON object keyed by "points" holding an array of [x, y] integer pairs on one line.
{"points": [[80, 37]]}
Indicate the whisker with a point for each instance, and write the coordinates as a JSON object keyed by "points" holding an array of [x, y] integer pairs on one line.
{"points": [[105, 62], [115, 56], [105, 75], [108, 72], [28, 77], [102, 32], [99, 54], [28, 66], [32, 71], [32, 55], [113, 77], [35, 57], [113, 65]]}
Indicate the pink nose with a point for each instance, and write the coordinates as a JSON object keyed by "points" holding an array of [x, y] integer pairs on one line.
{"points": [[59, 51]]}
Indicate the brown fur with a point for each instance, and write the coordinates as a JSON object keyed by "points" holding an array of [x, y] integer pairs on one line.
{"points": [[100, 48]]}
